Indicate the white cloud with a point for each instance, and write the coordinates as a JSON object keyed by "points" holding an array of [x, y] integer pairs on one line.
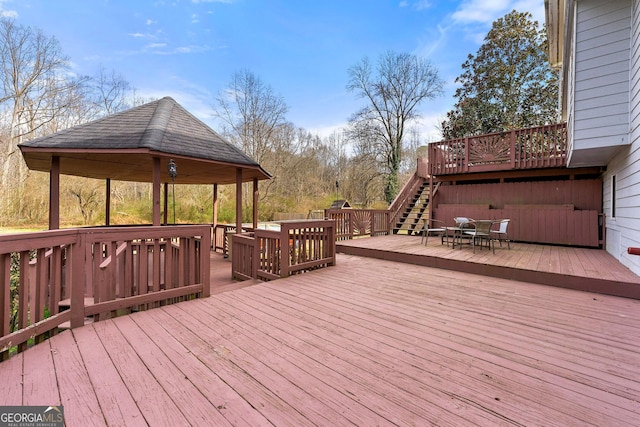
{"points": [[423, 5], [326, 131], [487, 11], [480, 11], [7, 13]]}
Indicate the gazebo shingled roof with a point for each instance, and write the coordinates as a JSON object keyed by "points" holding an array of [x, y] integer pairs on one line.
{"points": [[122, 146]]}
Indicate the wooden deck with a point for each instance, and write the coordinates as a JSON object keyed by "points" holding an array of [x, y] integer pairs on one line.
{"points": [[367, 342], [586, 269]]}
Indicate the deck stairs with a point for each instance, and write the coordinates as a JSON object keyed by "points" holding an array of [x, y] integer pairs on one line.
{"points": [[416, 213]]}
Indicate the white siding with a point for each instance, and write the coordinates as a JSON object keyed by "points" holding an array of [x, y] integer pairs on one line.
{"points": [[601, 74], [624, 230]]}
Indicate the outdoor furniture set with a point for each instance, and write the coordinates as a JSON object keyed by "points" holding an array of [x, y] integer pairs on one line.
{"points": [[468, 231]]}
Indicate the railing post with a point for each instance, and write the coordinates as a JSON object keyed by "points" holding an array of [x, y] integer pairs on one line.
{"points": [[77, 280], [372, 224], [332, 243], [512, 148], [465, 165], [285, 258], [255, 260], [352, 225], [205, 262]]}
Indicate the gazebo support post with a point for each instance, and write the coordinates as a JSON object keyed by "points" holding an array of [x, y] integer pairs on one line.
{"points": [[54, 194], [255, 203], [107, 203], [238, 200], [214, 220], [156, 191], [166, 202]]}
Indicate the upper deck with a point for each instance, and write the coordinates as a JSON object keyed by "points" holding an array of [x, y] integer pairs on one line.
{"points": [[531, 148]]}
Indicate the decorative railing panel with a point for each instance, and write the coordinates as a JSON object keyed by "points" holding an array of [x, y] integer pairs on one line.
{"points": [[55, 277], [531, 148], [351, 223]]}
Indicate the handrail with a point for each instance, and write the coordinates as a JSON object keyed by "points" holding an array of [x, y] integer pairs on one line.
{"points": [[403, 199]]}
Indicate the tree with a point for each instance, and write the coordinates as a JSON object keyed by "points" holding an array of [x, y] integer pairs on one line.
{"points": [[508, 84], [393, 91], [32, 80], [253, 113], [112, 91]]}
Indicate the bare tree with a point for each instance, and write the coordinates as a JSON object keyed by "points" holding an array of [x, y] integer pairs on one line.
{"points": [[112, 91], [393, 91], [253, 113], [32, 78]]}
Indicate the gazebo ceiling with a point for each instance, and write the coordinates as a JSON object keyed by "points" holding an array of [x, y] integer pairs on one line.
{"points": [[123, 147]]}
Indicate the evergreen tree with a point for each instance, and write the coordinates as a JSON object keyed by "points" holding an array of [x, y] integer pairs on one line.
{"points": [[508, 84]]}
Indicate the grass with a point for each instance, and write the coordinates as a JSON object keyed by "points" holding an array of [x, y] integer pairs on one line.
{"points": [[12, 230]]}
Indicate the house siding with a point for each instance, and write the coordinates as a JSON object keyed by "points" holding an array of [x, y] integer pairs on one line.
{"points": [[623, 231], [570, 76], [599, 108]]}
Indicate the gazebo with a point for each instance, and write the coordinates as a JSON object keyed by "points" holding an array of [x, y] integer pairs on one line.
{"points": [[139, 145]]}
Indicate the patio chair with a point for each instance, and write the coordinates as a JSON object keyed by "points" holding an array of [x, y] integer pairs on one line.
{"points": [[481, 234], [500, 233], [463, 224], [433, 227]]}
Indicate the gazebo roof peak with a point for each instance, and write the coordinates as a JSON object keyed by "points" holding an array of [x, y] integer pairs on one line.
{"points": [[122, 146]]}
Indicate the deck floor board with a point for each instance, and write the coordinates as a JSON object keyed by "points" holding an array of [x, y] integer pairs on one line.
{"points": [[449, 335], [39, 377], [370, 341], [116, 401]]}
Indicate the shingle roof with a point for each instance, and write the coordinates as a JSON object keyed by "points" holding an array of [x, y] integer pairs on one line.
{"points": [[122, 146]]}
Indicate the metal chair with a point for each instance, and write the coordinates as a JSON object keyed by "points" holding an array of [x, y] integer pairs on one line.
{"points": [[500, 233], [435, 227], [481, 234], [463, 224]]}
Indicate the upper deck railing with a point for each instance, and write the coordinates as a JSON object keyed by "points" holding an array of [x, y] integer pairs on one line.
{"points": [[531, 148]]}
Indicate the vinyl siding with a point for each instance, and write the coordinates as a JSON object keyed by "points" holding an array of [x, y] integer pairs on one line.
{"points": [[601, 74], [623, 231]]}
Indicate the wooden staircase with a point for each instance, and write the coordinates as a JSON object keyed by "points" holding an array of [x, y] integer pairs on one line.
{"points": [[411, 221]]}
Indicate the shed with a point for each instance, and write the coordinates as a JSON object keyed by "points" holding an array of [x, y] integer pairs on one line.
{"points": [[340, 204]]}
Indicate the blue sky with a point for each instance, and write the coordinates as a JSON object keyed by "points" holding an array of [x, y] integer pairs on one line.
{"points": [[189, 49]]}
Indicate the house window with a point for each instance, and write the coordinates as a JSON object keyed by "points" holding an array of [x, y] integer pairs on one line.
{"points": [[613, 196]]}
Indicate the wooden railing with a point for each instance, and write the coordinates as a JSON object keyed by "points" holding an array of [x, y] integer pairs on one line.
{"points": [[351, 223], [220, 237], [298, 246], [538, 147], [52, 278], [404, 198]]}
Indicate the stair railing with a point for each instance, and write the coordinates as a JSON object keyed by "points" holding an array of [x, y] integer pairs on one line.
{"points": [[402, 200]]}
